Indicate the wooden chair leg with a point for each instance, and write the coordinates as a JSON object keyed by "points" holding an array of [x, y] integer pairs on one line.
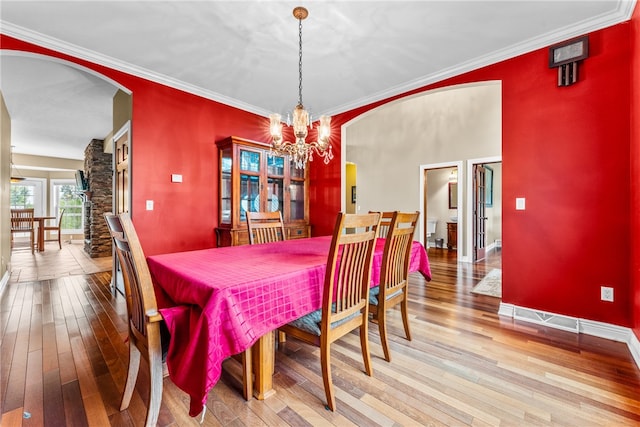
{"points": [[405, 315], [32, 242], [382, 327], [132, 375], [325, 361], [364, 343], [155, 389], [59, 242]]}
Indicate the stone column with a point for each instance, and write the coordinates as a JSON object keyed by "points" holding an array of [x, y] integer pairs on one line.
{"points": [[99, 174]]}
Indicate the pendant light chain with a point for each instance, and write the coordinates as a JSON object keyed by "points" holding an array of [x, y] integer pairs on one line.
{"points": [[300, 62]]}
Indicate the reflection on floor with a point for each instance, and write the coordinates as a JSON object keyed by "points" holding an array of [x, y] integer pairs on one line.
{"points": [[53, 262]]}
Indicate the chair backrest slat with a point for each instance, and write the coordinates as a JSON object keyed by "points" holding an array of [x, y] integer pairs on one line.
{"points": [[22, 219], [348, 273], [265, 227], [59, 224], [141, 301], [136, 315], [395, 260]]}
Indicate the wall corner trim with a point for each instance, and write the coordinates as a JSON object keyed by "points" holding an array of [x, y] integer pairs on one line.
{"points": [[576, 325]]}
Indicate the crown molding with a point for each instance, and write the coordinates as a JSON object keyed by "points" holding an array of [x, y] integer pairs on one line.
{"points": [[57, 45], [622, 13]]}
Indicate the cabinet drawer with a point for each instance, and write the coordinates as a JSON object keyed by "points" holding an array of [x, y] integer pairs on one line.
{"points": [[298, 232], [241, 237]]}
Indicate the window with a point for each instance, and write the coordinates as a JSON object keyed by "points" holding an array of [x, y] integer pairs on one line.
{"points": [[28, 194], [64, 196], [22, 196]]}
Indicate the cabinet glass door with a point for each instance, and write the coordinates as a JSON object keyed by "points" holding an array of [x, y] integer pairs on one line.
{"points": [[275, 195], [225, 186], [249, 195], [296, 211], [275, 165], [275, 184], [295, 172], [249, 161]]}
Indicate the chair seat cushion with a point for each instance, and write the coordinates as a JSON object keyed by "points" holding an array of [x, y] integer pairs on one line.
{"points": [[311, 322], [375, 291]]}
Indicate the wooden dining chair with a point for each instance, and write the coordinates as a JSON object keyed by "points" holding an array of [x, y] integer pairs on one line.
{"points": [[265, 227], [144, 319], [22, 222], [148, 335], [115, 228], [345, 294], [56, 228], [394, 275], [385, 223]]}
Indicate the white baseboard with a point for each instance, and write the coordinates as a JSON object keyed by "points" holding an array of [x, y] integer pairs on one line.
{"points": [[634, 348], [4, 282], [576, 325]]}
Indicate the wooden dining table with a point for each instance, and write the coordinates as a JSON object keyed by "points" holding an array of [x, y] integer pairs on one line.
{"points": [[40, 220], [219, 302]]}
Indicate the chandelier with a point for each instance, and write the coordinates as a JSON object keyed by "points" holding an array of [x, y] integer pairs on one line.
{"points": [[301, 151]]}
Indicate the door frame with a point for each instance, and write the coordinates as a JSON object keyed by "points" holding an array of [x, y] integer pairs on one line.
{"points": [[117, 285], [468, 224], [422, 188]]}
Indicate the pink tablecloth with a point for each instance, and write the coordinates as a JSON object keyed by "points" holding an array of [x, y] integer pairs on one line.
{"points": [[218, 302]]}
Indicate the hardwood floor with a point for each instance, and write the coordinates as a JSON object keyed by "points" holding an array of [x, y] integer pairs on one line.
{"points": [[64, 359], [53, 262]]}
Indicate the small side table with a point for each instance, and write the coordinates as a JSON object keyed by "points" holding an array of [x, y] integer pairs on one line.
{"points": [[452, 235]]}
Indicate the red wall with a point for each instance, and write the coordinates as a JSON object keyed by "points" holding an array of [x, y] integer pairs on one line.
{"points": [[565, 149], [635, 169], [172, 132]]}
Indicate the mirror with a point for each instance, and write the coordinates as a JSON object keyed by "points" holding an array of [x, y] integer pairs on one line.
{"points": [[453, 195]]}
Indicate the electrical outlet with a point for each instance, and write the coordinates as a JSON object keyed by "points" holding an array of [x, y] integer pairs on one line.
{"points": [[606, 293]]}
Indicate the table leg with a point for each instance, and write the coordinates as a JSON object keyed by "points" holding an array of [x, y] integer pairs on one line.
{"points": [[263, 365], [40, 236]]}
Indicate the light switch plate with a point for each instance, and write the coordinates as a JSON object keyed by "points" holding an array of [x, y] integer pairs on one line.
{"points": [[149, 205], [520, 203], [175, 177]]}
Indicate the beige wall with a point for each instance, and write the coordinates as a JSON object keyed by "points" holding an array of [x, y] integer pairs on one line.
{"points": [[37, 163], [390, 143], [5, 199]]}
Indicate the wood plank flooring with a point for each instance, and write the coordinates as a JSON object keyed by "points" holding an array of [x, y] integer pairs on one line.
{"points": [[63, 361], [53, 262]]}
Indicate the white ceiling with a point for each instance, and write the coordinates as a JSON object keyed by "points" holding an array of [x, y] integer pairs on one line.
{"points": [[245, 53]]}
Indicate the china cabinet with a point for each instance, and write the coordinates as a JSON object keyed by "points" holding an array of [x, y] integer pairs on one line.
{"points": [[253, 180]]}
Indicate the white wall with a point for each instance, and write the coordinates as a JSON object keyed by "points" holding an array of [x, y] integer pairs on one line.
{"points": [[5, 194], [389, 144]]}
